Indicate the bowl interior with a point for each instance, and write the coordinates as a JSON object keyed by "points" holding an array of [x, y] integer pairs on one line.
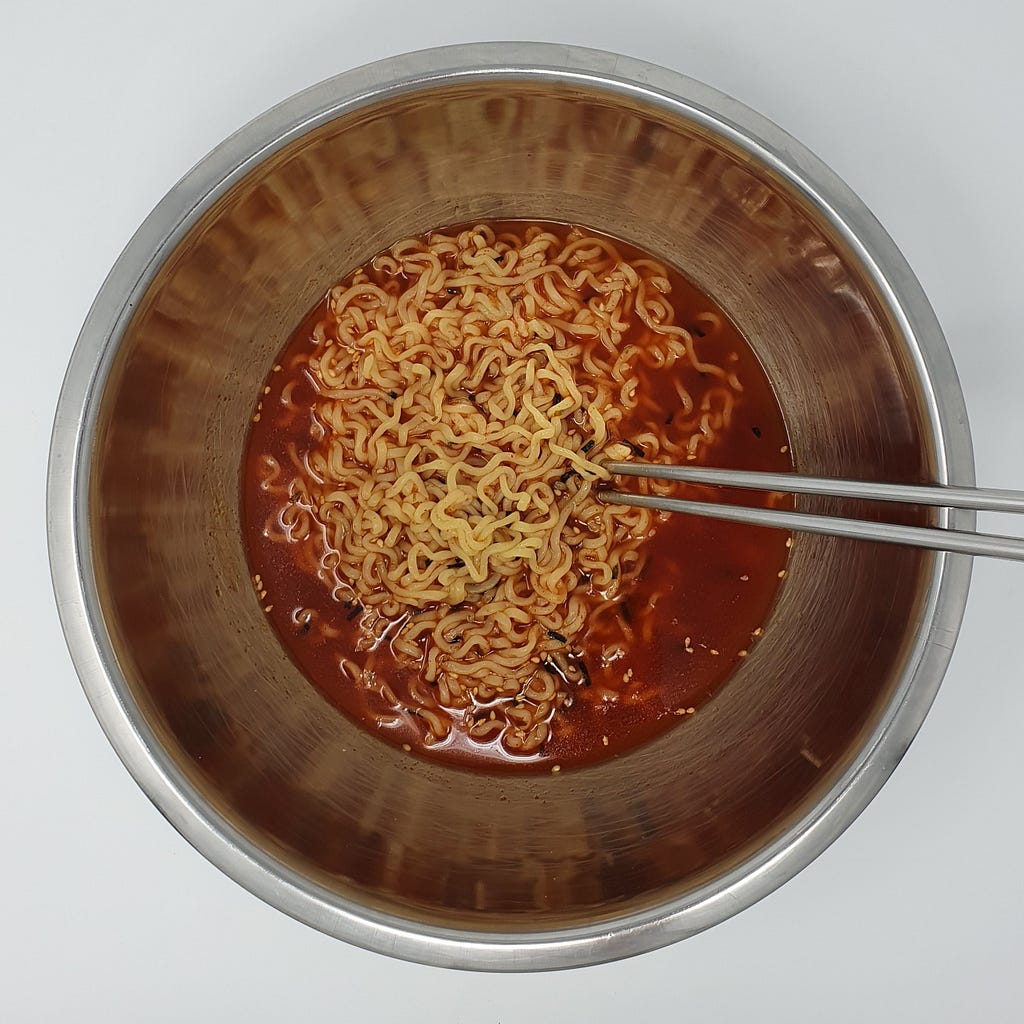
{"points": [[391, 832]]}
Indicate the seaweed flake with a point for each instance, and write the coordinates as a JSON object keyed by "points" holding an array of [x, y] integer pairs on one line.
{"points": [[582, 665]]}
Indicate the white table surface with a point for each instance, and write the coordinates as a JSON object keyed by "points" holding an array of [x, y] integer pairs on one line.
{"points": [[915, 914]]}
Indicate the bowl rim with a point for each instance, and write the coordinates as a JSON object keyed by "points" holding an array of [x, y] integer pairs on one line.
{"points": [[74, 580]]}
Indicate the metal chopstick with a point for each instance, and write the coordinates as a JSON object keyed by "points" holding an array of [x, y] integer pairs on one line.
{"points": [[984, 499], [933, 538]]}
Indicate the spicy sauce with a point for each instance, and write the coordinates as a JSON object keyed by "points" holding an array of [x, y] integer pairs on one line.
{"points": [[695, 611]]}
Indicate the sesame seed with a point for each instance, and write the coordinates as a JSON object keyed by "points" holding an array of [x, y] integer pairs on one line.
{"points": [[555, 768], [604, 740], [277, 367], [680, 711], [256, 418], [758, 631], [269, 608], [789, 542], [266, 391], [406, 747], [741, 654], [713, 651], [784, 449], [744, 578], [782, 573], [690, 711]]}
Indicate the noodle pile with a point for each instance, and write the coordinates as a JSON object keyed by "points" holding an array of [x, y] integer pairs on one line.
{"points": [[469, 388]]}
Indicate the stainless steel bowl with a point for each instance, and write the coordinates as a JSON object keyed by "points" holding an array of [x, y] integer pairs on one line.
{"points": [[195, 692]]}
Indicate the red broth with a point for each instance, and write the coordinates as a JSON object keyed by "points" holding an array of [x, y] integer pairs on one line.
{"points": [[715, 582]]}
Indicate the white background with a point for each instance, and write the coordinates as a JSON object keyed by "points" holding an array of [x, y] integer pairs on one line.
{"points": [[916, 914]]}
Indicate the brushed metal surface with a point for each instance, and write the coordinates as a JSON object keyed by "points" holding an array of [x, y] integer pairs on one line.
{"points": [[223, 732]]}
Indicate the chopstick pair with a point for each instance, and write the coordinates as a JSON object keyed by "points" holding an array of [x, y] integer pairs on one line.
{"points": [[933, 538]]}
